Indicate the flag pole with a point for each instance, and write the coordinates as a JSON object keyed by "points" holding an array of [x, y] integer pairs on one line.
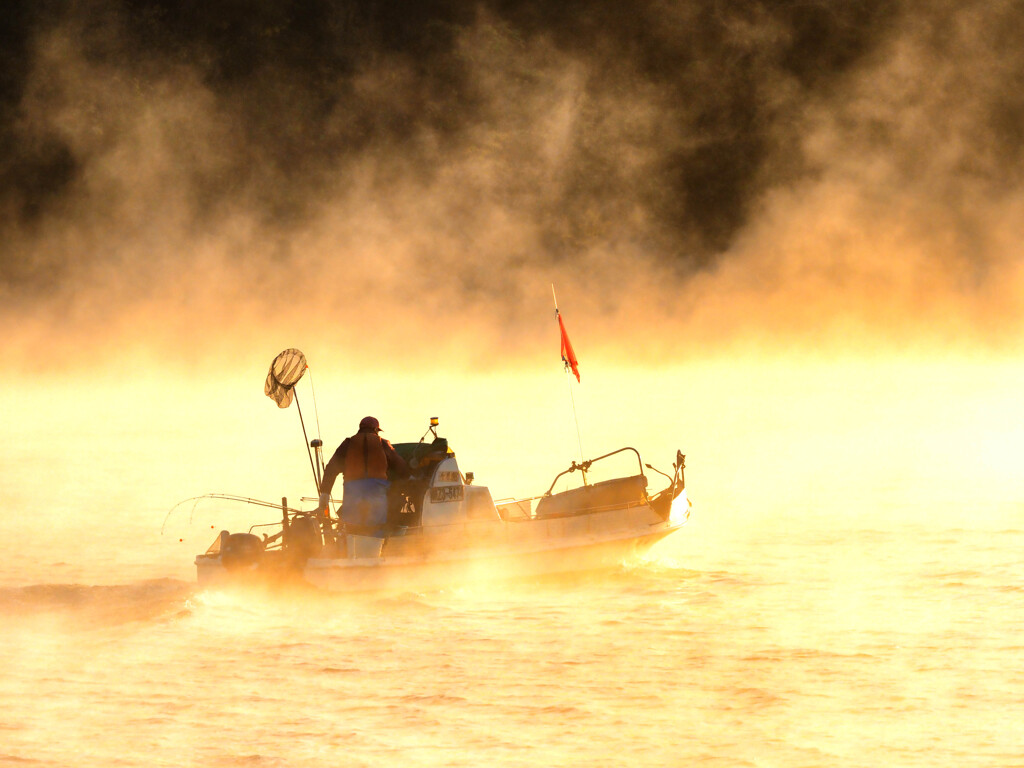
{"points": [[568, 380], [579, 440]]}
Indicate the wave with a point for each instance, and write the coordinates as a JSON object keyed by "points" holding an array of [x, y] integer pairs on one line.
{"points": [[103, 604]]}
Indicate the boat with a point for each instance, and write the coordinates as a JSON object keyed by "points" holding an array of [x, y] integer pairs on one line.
{"points": [[444, 529]]}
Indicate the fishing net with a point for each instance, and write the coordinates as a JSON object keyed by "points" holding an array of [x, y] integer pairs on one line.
{"points": [[285, 372]]}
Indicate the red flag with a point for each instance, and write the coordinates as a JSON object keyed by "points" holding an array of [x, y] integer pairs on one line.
{"points": [[568, 356]]}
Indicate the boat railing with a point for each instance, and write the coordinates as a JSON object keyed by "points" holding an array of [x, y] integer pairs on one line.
{"points": [[516, 509], [584, 467]]}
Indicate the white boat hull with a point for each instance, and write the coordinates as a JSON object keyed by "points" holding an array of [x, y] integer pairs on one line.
{"points": [[472, 553], [412, 574], [462, 537]]}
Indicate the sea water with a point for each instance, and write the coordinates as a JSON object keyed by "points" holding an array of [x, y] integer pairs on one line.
{"points": [[849, 592]]}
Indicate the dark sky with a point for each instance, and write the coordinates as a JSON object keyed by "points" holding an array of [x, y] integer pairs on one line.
{"points": [[607, 131]]}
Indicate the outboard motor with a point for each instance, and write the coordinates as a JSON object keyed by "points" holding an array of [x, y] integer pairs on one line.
{"points": [[240, 550]]}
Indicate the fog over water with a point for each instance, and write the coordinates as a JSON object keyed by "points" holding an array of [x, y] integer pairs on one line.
{"points": [[785, 240], [690, 176]]}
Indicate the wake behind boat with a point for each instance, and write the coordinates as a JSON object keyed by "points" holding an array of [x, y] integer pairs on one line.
{"points": [[443, 528]]}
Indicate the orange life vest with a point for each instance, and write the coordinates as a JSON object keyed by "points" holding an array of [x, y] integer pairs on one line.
{"points": [[365, 457]]}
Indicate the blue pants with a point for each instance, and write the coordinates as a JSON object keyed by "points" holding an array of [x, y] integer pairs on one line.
{"points": [[364, 509]]}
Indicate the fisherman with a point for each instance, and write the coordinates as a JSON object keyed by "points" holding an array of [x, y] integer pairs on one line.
{"points": [[364, 459]]}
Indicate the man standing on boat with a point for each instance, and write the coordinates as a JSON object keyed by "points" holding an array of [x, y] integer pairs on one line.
{"points": [[364, 459]]}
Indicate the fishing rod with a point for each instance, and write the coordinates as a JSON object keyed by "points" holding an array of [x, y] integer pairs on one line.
{"points": [[223, 497]]}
